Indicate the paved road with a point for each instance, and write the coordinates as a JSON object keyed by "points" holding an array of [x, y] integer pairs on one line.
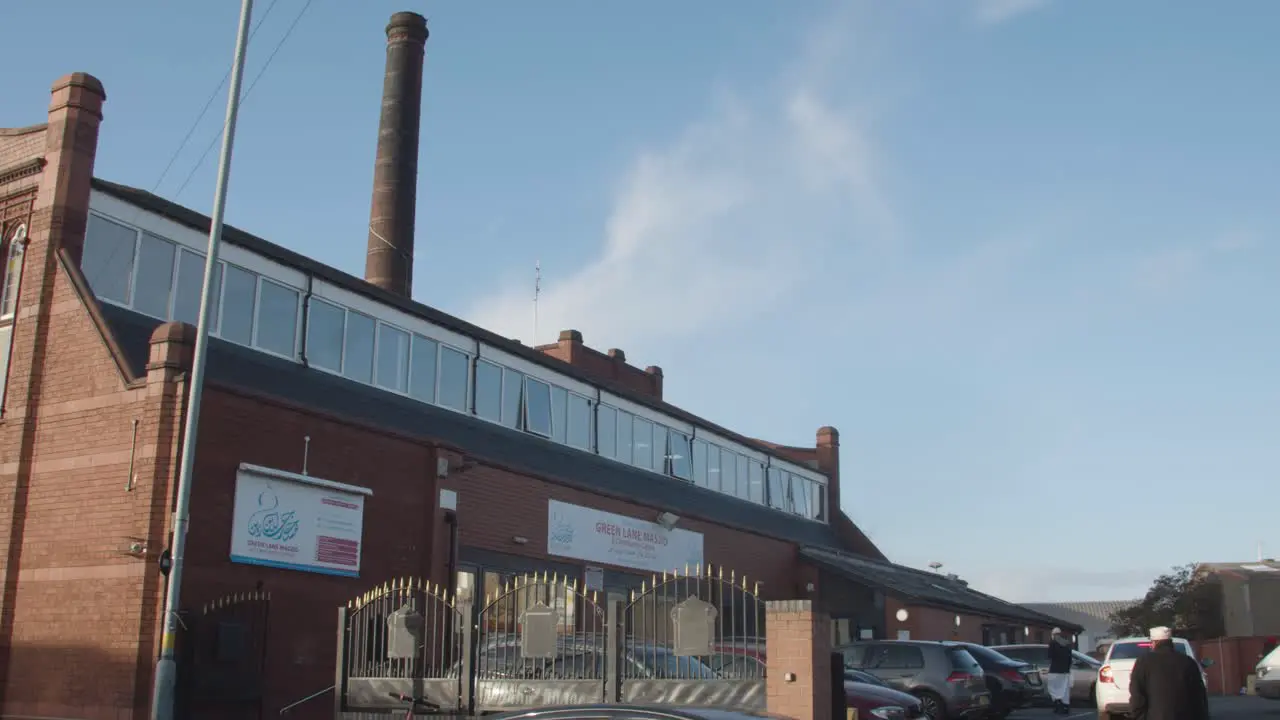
{"points": [[1232, 708]]}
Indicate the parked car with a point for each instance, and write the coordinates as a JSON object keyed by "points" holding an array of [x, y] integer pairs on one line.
{"points": [[1013, 683], [1113, 677], [946, 678], [871, 696], [1267, 672], [628, 712], [1084, 669]]}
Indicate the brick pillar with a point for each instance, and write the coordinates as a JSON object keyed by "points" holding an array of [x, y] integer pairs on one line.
{"points": [[798, 636], [828, 450]]}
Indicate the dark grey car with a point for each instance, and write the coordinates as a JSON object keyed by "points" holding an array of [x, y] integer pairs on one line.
{"points": [[947, 679]]}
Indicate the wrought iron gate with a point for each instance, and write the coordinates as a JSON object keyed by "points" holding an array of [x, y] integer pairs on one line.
{"points": [[409, 638], [224, 654], [692, 638]]}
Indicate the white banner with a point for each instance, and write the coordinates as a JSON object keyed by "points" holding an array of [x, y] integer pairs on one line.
{"points": [[296, 522], [596, 536]]}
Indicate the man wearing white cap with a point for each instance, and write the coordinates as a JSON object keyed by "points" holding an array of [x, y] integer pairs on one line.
{"points": [[1058, 679], [1166, 684]]}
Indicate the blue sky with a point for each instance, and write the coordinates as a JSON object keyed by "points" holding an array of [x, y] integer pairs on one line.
{"points": [[1020, 252]]}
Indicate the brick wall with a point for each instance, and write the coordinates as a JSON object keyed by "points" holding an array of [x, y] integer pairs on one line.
{"points": [[608, 367], [930, 623]]}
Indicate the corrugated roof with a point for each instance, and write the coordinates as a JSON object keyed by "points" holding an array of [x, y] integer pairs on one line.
{"points": [[1093, 615], [926, 587]]}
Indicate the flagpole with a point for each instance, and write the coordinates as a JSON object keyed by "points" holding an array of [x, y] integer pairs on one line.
{"points": [[165, 681]]}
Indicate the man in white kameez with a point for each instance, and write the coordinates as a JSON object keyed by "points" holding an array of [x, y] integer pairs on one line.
{"points": [[1058, 681]]}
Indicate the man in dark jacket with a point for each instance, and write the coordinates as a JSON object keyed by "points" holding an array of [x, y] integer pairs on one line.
{"points": [[1166, 684], [1058, 681]]}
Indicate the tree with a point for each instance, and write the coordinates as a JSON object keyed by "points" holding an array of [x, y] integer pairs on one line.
{"points": [[1187, 600]]}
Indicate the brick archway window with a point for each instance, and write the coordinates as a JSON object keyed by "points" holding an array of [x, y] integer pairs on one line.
{"points": [[12, 273]]}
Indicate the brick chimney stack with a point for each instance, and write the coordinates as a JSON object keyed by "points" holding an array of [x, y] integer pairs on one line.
{"points": [[389, 264]]}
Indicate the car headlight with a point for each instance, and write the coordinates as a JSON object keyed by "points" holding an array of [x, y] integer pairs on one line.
{"points": [[889, 712]]}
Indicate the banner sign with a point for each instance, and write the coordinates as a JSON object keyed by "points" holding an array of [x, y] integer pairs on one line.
{"points": [[596, 536]]}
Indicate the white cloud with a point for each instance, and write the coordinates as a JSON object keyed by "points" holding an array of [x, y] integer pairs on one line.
{"points": [[1169, 268], [995, 12], [726, 219]]}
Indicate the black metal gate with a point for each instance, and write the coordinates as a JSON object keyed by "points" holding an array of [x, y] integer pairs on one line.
{"points": [[692, 638], [224, 657], [408, 638]]}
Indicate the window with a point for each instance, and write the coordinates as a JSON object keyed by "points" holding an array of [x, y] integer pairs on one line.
{"points": [[626, 439], [239, 299], [775, 488], [454, 377], [325, 328], [12, 276], [357, 347], [393, 358], [817, 501], [488, 390], [1134, 650], [188, 286], [154, 277], [512, 394], [607, 431], [422, 370], [660, 448], [678, 461], [579, 431], [700, 463], [755, 475], [855, 656], [559, 414], [800, 496], [898, 656], [537, 407], [724, 476], [278, 319], [642, 443], [107, 260]]}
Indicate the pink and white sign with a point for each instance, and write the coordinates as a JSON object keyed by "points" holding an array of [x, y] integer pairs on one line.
{"points": [[583, 533]]}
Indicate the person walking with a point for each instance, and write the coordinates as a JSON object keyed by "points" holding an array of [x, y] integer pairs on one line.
{"points": [[1166, 684], [1059, 677]]}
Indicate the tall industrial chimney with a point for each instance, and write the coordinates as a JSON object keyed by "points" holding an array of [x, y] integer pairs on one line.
{"points": [[389, 264]]}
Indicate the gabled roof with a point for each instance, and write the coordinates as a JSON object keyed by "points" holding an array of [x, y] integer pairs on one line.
{"points": [[912, 585]]}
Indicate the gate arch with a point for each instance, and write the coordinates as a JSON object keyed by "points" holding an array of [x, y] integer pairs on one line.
{"points": [[695, 637]]}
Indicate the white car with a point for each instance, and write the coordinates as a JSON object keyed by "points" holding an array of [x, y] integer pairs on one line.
{"points": [[1112, 689], [1267, 683]]}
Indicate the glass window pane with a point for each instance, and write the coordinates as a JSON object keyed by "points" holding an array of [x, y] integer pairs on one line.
{"points": [[699, 463], [454, 375], [579, 434], [800, 496], [357, 356], [325, 322], [154, 277], [626, 439], [756, 478], [107, 260], [559, 414], [239, 299], [606, 431], [186, 290], [278, 319], [393, 358], [715, 475], [678, 454], [537, 407], [743, 477], [422, 378], [660, 448], [512, 389], [819, 501], [642, 443], [12, 277], [488, 391], [777, 493]]}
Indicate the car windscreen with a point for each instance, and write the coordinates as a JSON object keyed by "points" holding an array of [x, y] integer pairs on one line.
{"points": [[1135, 650], [962, 661], [987, 657]]}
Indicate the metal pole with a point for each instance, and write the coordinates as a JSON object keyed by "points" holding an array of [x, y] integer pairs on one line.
{"points": [[163, 690]]}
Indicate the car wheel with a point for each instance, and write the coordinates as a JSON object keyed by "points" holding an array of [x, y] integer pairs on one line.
{"points": [[931, 706]]}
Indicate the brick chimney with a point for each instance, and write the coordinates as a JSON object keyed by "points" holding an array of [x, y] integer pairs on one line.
{"points": [[389, 264]]}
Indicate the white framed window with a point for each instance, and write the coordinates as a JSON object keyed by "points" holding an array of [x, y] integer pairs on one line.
{"points": [[455, 379], [276, 329], [512, 397], [537, 407], [12, 274], [423, 358], [326, 334], [488, 393], [393, 358]]}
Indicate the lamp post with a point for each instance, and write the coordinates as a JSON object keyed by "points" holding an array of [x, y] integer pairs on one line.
{"points": [[165, 680]]}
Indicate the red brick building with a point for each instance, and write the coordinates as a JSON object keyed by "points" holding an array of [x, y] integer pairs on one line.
{"points": [[348, 436]]}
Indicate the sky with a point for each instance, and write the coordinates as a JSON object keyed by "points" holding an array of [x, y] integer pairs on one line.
{"points": [[1021, 253]]}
